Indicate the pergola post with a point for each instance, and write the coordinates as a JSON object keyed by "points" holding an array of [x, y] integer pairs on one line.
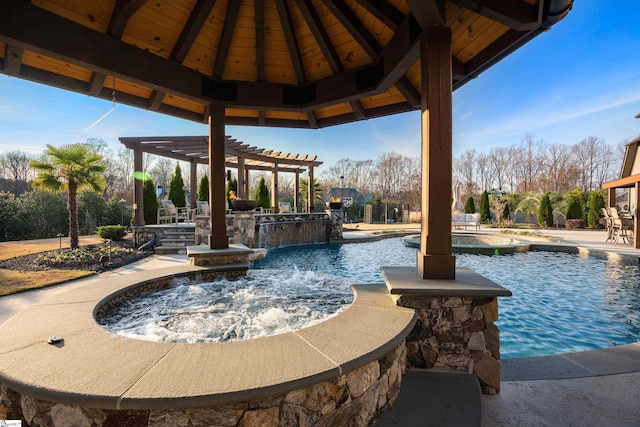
{"points": [[193, 197], [217, 220], [310, 191], [296, 191], [138, 208], [274, 187], [242, 181], [434, 261]]}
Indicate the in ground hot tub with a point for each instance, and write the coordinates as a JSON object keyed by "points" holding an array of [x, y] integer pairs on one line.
{"points": [[477, 243]]}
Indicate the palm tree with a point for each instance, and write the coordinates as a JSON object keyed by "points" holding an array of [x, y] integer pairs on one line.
{"points": [[71, 168], [304, 190]]}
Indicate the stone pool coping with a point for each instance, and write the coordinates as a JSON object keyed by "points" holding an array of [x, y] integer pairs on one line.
{"points": [[95, 368]]}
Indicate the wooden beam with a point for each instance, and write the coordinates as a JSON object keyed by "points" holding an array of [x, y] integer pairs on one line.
{"points": [[192, 28], [518, 15], [122, 12], [320, 35], [428, 12], [260, 64], [354, 26], [12, 60], [233, 8], [290, 38], [313, 121], [358, 109], [155, 100], [96, 83], [384, 11], [409, 92]]}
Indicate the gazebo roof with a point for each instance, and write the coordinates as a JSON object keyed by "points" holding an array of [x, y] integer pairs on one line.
{"points": [[293, 63], [196, 148]]}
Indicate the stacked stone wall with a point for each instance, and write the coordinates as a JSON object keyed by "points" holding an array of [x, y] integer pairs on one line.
{"points": [[355, 399], [455, 333]]}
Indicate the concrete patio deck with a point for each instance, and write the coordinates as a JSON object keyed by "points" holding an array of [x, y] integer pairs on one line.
{"points": [[588, 389]]}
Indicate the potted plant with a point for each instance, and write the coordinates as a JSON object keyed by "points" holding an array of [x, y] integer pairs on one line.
{"points": [[239, 204]]}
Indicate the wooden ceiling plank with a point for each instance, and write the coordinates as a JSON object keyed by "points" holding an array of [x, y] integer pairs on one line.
{"points": [[12, 59], [290, 38], [427, 12], [515, 14], [225, 40], [384, 11], [354, 26], [122, 12], [192, 28], [260, 62], [320, 34]]}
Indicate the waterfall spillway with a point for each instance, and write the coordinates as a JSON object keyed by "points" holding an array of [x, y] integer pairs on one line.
{"points": [[285, 233]]}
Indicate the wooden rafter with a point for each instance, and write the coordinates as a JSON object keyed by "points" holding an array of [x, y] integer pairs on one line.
{"points": [[515, 14], [354, 26], [290, 38], [259, 17], [13, 60], [384, 11], [192, 28], [122, 12], [233, 8], [427, 12]]}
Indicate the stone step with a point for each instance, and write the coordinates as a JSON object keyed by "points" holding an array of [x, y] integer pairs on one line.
{"points": [[170, 249], [189, 241], [435, 398]]}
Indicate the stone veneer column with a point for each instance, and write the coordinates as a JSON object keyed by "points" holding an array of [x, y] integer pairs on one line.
{"points": [[455, 328]]}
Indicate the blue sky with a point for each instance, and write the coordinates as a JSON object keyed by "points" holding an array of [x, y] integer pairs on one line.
{"points": [[580, 79]]}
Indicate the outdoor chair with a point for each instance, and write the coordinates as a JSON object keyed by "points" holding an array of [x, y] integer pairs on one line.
{"points": [[202, 208], [170, 213], [621, 227], [609, 223], [284, 207]]}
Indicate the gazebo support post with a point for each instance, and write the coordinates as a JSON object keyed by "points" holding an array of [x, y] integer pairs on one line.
{"points": [[138, 208], [217, 220], [434, 261]]}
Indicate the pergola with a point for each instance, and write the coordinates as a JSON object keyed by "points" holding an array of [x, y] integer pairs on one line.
{"points": [[629, 179], [293, 63], [238, 155]]}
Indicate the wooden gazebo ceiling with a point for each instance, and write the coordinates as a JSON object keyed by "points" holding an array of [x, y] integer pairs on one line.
{"points": [[196, 148], [294, 63]]}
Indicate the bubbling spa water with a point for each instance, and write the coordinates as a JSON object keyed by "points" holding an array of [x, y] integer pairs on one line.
{"points": [[265, 302]]}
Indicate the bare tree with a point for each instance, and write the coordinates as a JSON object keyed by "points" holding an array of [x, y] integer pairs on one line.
{"points": [[464, 170], [161, 171], [500, 162], [586, 154], [15, 168]]}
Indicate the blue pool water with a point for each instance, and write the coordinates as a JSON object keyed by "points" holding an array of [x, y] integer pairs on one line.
{"points": [[561, 302]]}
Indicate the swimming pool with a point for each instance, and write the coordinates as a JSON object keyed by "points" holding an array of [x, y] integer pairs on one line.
{"points": [[561, 302]]}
